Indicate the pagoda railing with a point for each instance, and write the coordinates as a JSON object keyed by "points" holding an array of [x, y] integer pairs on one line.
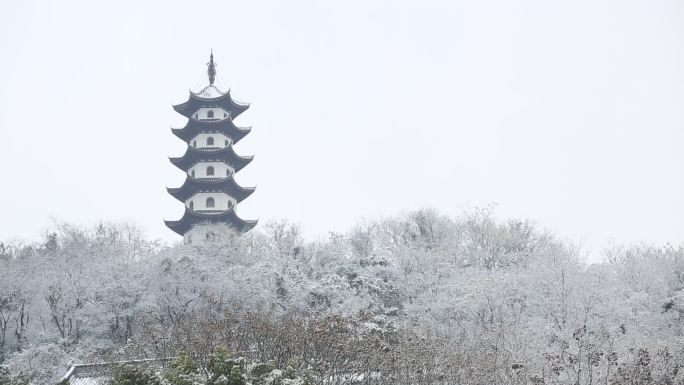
{"points": [[205, 179], [211, 212], [210, 120], [209, 149]]}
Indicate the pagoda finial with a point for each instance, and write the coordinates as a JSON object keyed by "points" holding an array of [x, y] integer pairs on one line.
{"points": [[211, 71]]}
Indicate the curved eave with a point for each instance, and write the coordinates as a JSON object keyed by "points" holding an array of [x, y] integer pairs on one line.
{"points": [[224, 101], [223, 126], [228, 186], [224, 95], [191, 218], [227, 154]]}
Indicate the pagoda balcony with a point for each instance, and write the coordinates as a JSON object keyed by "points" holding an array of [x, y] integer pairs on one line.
{"points": [[210, 120], [209, 178], [212, 212], [210, 149]]}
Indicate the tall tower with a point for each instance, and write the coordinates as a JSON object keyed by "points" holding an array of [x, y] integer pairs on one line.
{"points": [[210, 192]]}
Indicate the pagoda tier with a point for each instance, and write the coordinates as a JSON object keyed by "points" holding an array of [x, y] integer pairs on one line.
{"points": [[192, 218], [210, 96], [225, 185], [222, 126], [227, 155]]}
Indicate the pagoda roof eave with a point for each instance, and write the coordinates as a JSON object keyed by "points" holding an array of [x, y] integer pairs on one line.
{"points": [[222, 95], [227, 186], [224, 126], [191, 218], [227, 154], [224, 101]]}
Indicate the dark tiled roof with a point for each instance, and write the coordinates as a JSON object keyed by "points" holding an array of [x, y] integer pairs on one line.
{"points": [[225, 185], [192, 218], [219, 126], [226, 154], [210, 97]]}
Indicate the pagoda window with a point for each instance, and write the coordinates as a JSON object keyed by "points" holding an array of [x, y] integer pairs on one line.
{"points": [[192, 173], [230, 205], [227, 172], [210, 170], [226, 142], [194, 143], [210, 202], [210, 114], [192, 206], [210, 141], [225, 114]]}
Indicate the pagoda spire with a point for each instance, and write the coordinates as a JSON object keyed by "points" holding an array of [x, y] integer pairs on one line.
{"points": [[211, 69]]}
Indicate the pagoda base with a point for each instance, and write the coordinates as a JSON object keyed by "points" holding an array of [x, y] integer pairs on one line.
{"points": [[210, 233]]}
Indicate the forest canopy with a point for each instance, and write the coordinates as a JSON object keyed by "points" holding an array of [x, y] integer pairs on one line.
{"points": [[417, 298]]}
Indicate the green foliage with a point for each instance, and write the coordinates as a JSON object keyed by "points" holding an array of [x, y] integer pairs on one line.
{"points": [[129, 375], [293, 373], [261, 371], [308, 377], [220, 369], [184, 364], [290, 371], [223, 370], [183, 371]]}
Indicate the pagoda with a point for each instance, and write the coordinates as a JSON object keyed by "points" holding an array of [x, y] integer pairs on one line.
{"points": [[210, 192]]}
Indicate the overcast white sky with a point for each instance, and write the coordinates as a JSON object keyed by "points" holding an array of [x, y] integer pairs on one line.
{"points": [[567, 113]]}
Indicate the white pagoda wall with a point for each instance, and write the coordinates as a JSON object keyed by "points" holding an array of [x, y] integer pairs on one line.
{"points": [[200, 141], [221, 201], [219, 113], [220, 169]]}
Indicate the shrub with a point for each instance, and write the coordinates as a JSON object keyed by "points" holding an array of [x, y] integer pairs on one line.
{"points": [[129, 375]]}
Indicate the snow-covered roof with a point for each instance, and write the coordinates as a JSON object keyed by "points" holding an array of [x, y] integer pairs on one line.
{"points": [[98, 374], [209, 92], [88, 381], [93, 374]]}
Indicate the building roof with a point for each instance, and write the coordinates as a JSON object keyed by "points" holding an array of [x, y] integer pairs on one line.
{"points": [[226, 154], [228, 185], [210, 96], [99, 374], [209, 92], [221, 126], [191, 218]]}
